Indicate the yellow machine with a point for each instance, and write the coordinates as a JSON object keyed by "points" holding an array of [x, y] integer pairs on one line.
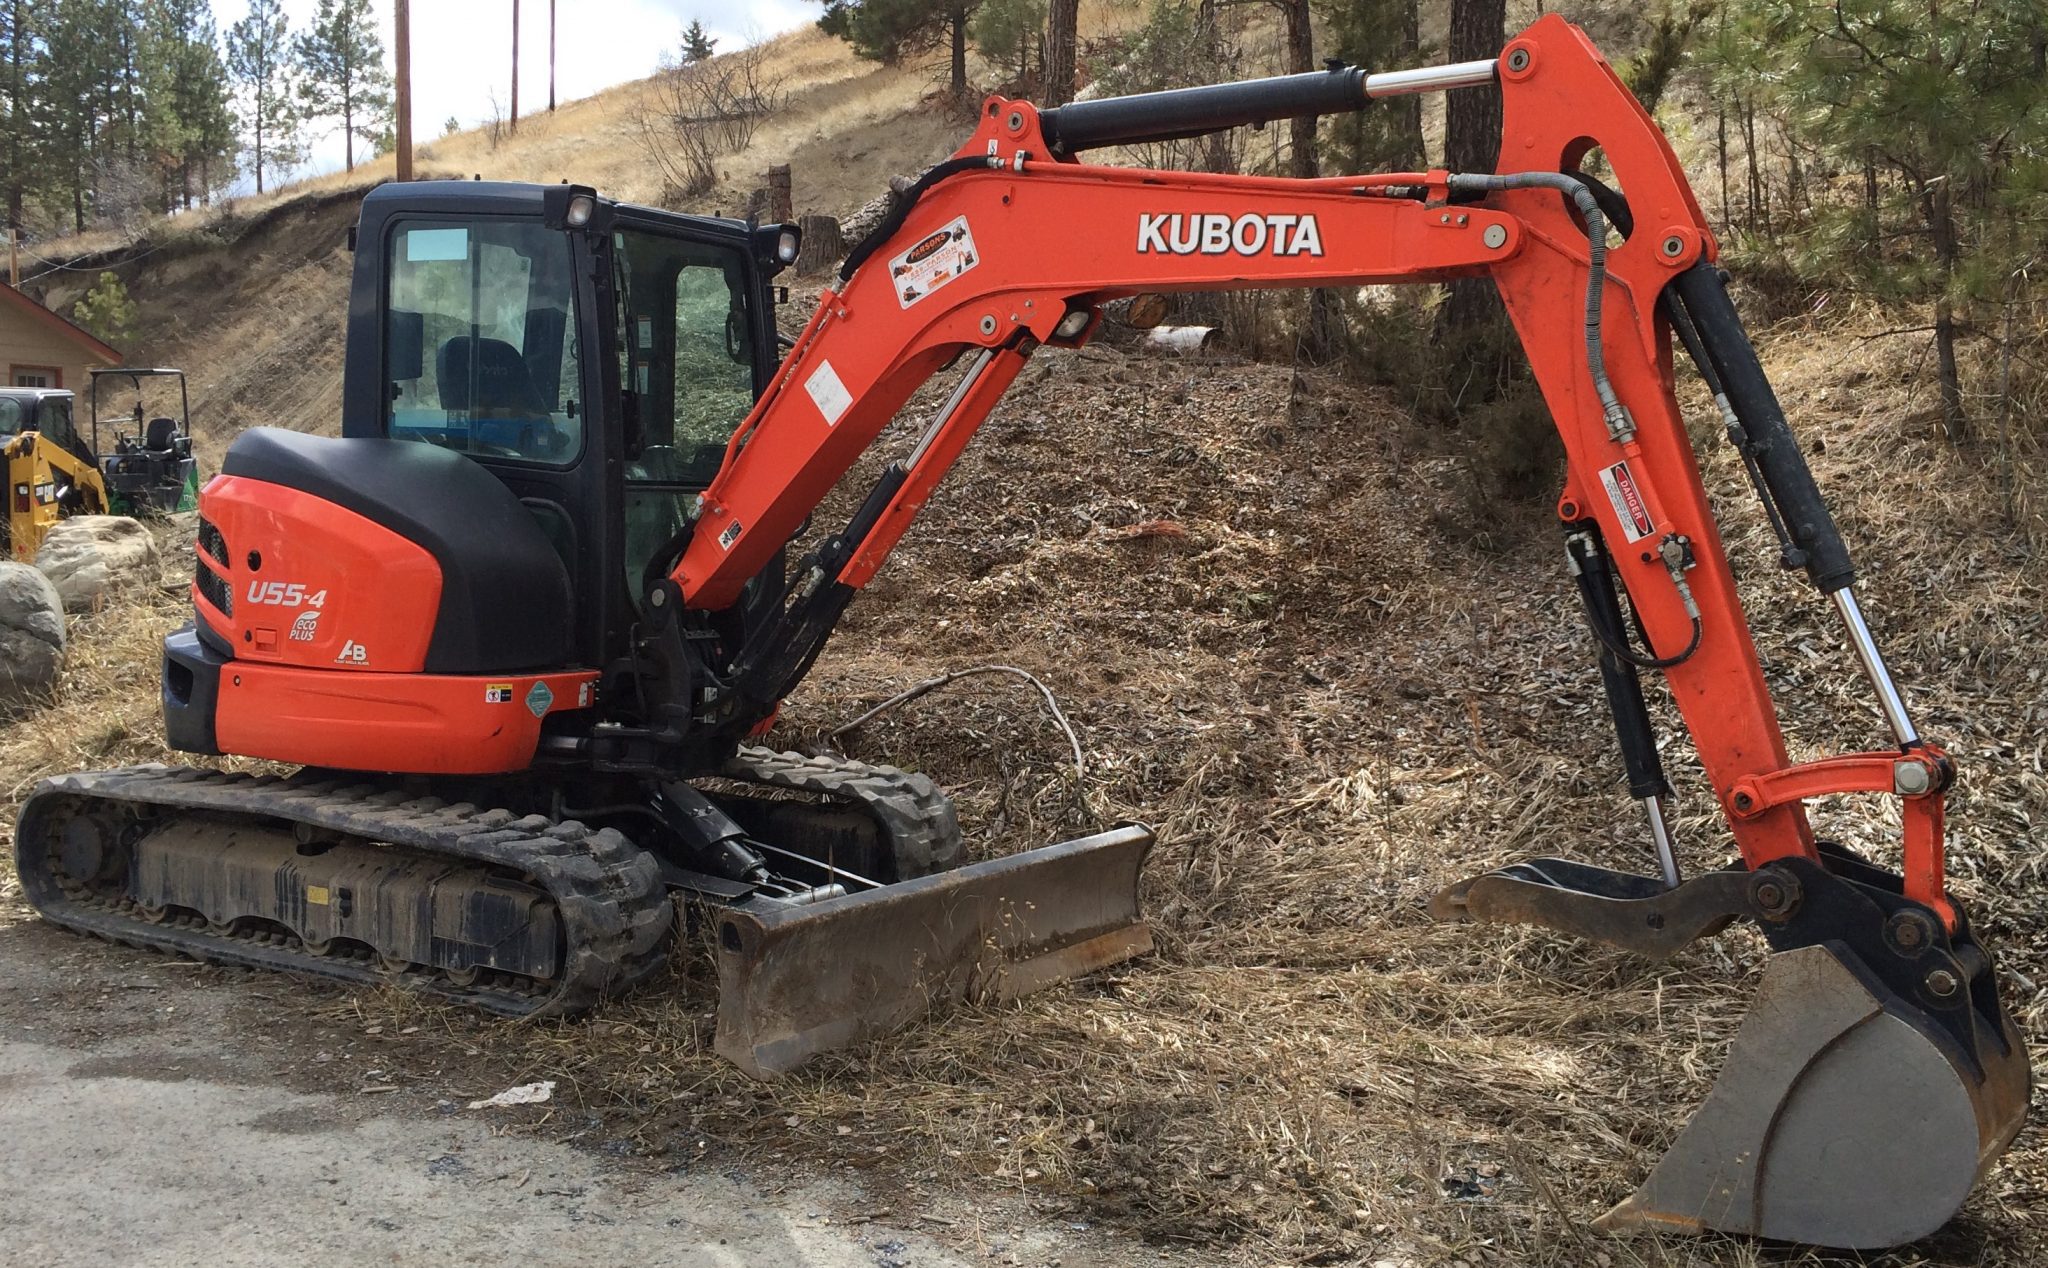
{"points": [[51, 472]]}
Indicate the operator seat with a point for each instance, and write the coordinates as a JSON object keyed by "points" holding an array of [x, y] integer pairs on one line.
{"points": [[504, 388], [506, 602], [162, 435]]}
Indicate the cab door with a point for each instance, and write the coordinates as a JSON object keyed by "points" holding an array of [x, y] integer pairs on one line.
{"points": [[694, 346]]}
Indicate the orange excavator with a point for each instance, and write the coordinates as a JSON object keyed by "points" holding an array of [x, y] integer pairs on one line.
{"points": [[521, 623]]}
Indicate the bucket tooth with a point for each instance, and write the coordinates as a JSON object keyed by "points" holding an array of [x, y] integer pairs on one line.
{"points": [[794, 981], [1844, 1117]]}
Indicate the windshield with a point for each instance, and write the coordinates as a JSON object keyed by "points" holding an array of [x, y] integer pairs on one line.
{"points": [[480, 346]]}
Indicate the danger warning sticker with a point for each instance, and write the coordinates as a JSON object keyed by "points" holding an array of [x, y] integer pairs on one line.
{"points": [[1627, 498], [932, 261]]}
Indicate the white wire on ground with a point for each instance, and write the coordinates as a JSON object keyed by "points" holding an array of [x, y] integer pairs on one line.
{"points": [[933, 684]]}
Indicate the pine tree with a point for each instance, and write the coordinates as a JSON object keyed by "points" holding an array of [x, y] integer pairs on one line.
{"points": [[1944, 111], [188, 118], [342, 64], [18, 43], [106, 310], [1009, 35], [1378, 35], [889, 30], [76, 62], [260, 64], [697, 42]]}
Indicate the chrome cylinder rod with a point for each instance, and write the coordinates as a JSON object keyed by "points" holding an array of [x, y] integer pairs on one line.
{"points": [[1402, 83], [1660, 836], [1888, 697], [952, 405]]}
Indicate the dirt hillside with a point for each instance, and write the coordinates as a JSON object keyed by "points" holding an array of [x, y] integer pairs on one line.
{"points": [[1244, 585]]}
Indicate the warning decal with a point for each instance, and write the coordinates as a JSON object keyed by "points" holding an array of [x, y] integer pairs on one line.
{"points": [[828, 393], [932, 261], [1629, 506]]}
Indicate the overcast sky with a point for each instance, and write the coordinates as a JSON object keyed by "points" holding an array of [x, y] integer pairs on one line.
{"points": [[462, 49]]}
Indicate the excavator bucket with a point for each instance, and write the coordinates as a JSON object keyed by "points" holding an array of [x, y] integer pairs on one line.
{"points": [[1877, 1076], [1844, 1117], [794, 981]]}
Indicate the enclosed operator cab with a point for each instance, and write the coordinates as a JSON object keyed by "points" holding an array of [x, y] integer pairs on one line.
{"points": [[538, 383]]}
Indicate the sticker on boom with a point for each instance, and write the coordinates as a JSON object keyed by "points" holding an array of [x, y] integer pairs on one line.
{"points": [[1627, 498], [932, 261]]}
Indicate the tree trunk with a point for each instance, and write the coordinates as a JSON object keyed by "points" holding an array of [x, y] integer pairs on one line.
{"points": [[1941, 225], [17, 106], [1472, 137], [823, 246], [1061, 17], [1408, 109], [1301, 56], [959, 21], [1721, 148], [1756, 180], [1218, 157]]}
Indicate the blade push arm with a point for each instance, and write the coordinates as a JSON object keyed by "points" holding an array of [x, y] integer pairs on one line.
{"points": [[1010, 246]]}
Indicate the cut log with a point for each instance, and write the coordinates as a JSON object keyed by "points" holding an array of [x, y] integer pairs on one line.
{"points": [[823, 246]]}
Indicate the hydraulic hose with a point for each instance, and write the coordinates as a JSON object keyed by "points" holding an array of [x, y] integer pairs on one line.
{"points": [[1619, 424], [900, 206]]}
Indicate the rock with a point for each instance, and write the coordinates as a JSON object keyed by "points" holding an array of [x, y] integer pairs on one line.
{"points": [[31, 638], [86, 554]]}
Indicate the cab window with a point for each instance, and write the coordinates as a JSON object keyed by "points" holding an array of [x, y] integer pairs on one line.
{"points": [[10, 416], [53, 419], [480, 340]]}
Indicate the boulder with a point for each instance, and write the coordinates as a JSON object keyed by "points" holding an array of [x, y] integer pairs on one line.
{"points": [[31, 638], [86, 554]]}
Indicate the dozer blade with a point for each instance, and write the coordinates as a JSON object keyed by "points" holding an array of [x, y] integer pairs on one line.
{"points": [[799, 980], [1844, 1117]]}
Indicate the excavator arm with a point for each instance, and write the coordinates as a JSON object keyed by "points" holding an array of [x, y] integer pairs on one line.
{"points": [[1878, 994], [1019, 246]]}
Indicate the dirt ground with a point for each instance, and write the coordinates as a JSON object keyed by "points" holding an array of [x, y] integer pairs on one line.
{"points": [[159, 1112]]}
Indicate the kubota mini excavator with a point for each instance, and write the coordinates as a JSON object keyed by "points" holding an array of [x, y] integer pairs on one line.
{"points": [[541, 585]]}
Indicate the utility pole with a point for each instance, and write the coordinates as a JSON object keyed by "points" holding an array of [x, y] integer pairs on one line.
{"points": [[402, 37], [515, 65], [551, 56]]}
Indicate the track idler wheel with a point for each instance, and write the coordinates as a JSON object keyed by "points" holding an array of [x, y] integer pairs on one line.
{"points": [[1843, 1117]]}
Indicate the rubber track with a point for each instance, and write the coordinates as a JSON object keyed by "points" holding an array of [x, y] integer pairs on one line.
{"points": [[918, 818], [614, 909]]}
